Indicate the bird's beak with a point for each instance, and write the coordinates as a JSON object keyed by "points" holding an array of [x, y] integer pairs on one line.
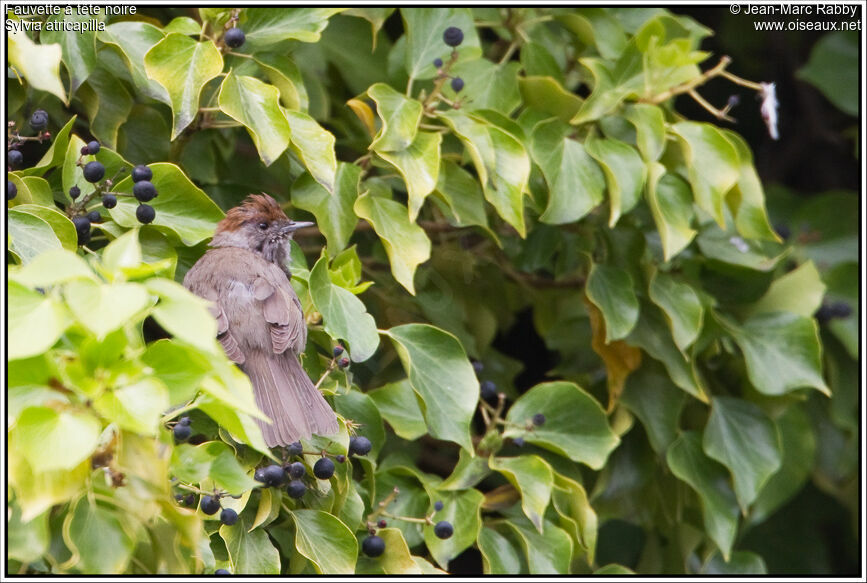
{"points": [[292, 226]]}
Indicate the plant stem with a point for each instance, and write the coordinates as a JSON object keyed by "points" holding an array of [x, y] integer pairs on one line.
{"points": [[689, 85]]}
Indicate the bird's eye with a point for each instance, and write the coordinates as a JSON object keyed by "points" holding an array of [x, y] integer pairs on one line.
{"points": [[263, 225]]}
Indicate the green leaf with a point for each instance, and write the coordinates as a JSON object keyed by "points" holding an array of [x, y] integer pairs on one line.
{"points": [[680, 304], [30, 235], [533, 478], [424, 33], [469, 471], [270, 29], [183, 66], [98, 537], [326, 541], [344, 315], [740, 563], [487, 85], [333, 212], [181, 208], [419, 165], [60, 224], [710, 481], [501, 162], [314, 145], [398, 404], [741, 437], [576, 184], [747, 199], [782, 352], [463, 195], [405, 242], [397, 559], [53, 440], [598, 27], [724, 247], [183, 314], [39, 64], [649, 123], [799, 291], [577, 517], [613, 82], [548, 551], [443, 378], [613, 569], [362, 409], [27, 541], [832, 60], [36, 322], [137, 407], [624, 171], [284, 74], [78, 49], [611, 289], [181, 368], [499, 554], [133, 40], [657, 402], [250, 549], [651, 335], [463, 510], [712, 163], [212, 460], [547, 95], [31, 190], [575, 424], [256, 105], [400, 118], [108, 105], [103, 308]]}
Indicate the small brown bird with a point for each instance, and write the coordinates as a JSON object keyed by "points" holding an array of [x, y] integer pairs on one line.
{"points": [[259, 318]]}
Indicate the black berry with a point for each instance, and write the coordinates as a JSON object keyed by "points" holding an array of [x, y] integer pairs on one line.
{"points": [[296, 489], [518, 441], [359, 445], [94, 217], [438, 505], [538, 420], [453, 36], [39, 120], [109, 201], [488, 390], [141, 172], [145, 213], [457, 84], [74, 192], [478, 366], [234, 37], [82, 224], [783, 231], [221, 572], [228, 516], [259, 475], [841, 310], [296, 470], [294, 449], [84, 151], [824, 313], [11, 189], [382, 523], [338, 350], [438, 62], [15, 159], [184, 420], [84, 237], [343, 362], [340, 458], [209, 505], [373, 546], [144, 190], [273, 475], [182, 432], [444, 529], [92, 147], [323, 468], [94, 171]]}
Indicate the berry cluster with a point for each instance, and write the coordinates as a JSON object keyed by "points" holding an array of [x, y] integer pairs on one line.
{"points": [[14, 157], [453, 37], [830, 311], [373, 545]]}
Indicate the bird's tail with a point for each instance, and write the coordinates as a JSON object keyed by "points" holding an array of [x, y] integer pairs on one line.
{"points": [[286, 395]]}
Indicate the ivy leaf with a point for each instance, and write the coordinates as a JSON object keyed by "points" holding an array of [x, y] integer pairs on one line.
{"points": [[212, 460], [613, 82], [250, 549], [611, 289], [79, 49], [747, 199], [61, 226], [741, 437], [314, 145], [463, 510], [56, 440], [443, 378], [800, 291], [424, 33], [624, 171], [362, 409], [326, 541], [136, 407], [39, 64], [333, 212], [183, 314], [657, 402], [680, 304], [577, 517], [99, 537], [463, 195], [133, 40], [575, 424], [547, 95], [30, 235], [183, 67], [274, 29], [782, 352], [405, 242], [619, 357], [344, 315], [739, 563], [108, 105], [831, 59], [487, 85], [548, 551], [104, 308], [712, 163], [533, 478], [397, 560], [400, 118], [419, 165], [256, 105], [576, 184], [649, 123], [398, 404], [596, 27], [284, 74], [35, 321], [710, 481]]}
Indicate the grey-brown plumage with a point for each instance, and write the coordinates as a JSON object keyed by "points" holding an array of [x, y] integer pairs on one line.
{"points": [[260, 323]]}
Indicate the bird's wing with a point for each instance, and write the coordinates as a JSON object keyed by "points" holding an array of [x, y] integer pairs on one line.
{"points": [[282, 311], [203, 287]]}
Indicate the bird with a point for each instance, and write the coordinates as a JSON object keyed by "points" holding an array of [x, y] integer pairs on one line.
{"points": [[260, 323]]}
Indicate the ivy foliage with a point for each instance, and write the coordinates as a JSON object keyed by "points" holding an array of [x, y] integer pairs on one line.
{"points": [[694, 394]]}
